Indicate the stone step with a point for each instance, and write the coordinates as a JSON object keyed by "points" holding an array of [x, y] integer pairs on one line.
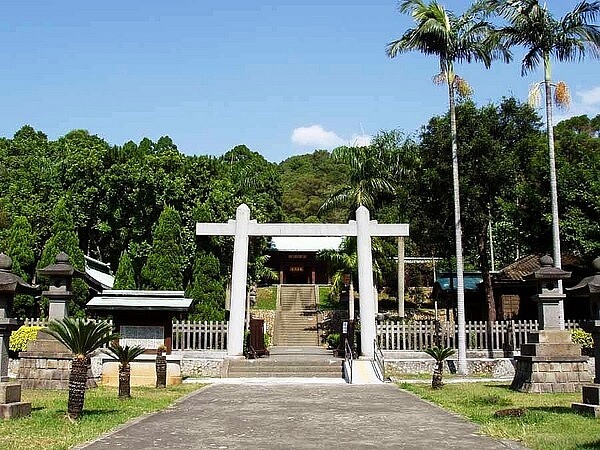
{"points": [[296, 341], [286, 375], [290, 365]]}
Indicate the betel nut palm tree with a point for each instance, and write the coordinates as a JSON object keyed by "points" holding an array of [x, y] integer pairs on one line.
{"points": [[452, 39], [125, 356], [82, 337], [532, 26]]}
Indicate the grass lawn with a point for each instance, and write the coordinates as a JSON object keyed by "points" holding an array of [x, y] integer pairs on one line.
{"points": [[266, 298], [548, 423], [48, 428]]}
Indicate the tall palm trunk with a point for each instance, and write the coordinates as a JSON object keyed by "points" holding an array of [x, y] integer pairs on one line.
{"points": [[460, 288], [553, 182], [77, 382], [124, 381]]}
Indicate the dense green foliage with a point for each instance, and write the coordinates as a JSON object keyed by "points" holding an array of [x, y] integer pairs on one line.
{"points": [[125, 276], [19, 244], [65, 239], [164, 266], [306, 182], [80, 194], [207, 289]]}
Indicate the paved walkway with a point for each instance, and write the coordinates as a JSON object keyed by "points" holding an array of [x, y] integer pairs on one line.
{"points": [[300, 416]]}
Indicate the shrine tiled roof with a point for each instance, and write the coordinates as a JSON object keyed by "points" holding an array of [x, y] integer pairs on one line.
{"points": [[143, 300]]}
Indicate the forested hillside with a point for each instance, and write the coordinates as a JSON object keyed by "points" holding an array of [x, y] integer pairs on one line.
{"points": [[138, 202]]}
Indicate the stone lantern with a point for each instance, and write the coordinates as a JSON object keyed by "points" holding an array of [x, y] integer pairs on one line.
{"points": [[46, 363], [59, 292], [550, 361], [10, 392], [590, 287]]}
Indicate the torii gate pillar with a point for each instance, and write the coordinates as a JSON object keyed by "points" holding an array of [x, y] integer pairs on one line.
{"points": [[368, 328], [239, 273]]}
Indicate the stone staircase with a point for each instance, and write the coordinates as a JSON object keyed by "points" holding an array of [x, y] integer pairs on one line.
{"points": [[288, 362], [296, 317]]}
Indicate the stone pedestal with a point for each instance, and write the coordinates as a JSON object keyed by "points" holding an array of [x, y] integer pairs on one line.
{"points": [[45, 365], [11, 406], [550, 362]]}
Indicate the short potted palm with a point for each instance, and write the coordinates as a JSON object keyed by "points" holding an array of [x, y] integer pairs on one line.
{"points": [[439, 354], [82, 337], [125, 356]]}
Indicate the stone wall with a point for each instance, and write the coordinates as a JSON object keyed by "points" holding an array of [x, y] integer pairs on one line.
{"points": [[493, 368], [211, 365], [202, 364]]}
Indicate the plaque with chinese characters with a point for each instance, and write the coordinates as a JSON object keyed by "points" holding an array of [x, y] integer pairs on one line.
{"points": [[149, 337]]}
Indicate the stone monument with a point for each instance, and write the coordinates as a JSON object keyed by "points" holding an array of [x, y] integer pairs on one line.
{"points": [[46, 363], [11, 405], [590, 287], [550, 362]]}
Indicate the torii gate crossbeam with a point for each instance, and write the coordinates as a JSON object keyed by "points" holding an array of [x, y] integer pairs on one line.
{"points": [[242, 227]]}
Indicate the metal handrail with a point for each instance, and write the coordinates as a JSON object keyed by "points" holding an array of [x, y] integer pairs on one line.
{"points": [[348, 357], [379, 361]]}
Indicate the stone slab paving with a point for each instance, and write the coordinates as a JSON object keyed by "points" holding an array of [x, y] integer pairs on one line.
{"points": [[300, 416]]}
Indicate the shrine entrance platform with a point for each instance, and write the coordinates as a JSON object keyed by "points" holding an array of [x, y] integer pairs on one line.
{"points": [[301, 416]]}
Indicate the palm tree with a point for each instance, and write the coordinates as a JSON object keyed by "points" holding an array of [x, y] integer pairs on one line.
{"points": [[532, 26], [371, 169], [344, 261], [439, 354], [82, 338], [125, 355], [453, 39]]}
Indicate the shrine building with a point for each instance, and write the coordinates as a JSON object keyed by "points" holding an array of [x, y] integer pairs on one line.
{"points": [[295, 258]]}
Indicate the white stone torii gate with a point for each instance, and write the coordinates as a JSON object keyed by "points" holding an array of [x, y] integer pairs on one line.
{"points": [[242, 227]]}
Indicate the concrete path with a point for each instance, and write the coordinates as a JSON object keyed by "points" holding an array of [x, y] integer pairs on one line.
{"points": [[300, 416]]}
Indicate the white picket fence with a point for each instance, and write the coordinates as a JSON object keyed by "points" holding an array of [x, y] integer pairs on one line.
{"points": [[187, 335], [421, 334]]}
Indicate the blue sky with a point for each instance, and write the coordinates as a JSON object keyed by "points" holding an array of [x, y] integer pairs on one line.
{"points": [[283, 77]]}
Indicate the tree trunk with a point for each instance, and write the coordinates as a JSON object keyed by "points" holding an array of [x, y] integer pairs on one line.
{"points": [[124, 381], [553, 182], [460, 288], [436, 380], [484, 265], [77, 381], [161, 371]]}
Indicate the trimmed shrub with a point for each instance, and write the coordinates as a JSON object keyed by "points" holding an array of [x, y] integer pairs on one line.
{"points": [[20, 338], [584, 339]]}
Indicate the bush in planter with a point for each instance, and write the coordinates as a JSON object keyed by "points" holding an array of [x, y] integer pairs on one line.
{"points": [[19, 339], [585, 340], [333, 340]]}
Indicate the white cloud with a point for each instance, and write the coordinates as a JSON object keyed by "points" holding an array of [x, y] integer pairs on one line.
{"points": [[590, 96], [318, 137]]}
